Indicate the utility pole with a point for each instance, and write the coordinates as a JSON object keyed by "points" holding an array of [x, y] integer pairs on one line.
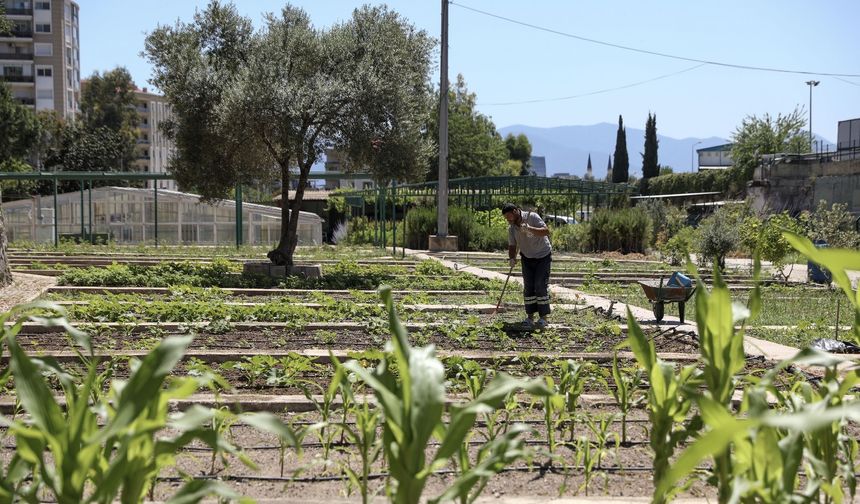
{"points": [[442, 188], [811, 84], [441, 241]]}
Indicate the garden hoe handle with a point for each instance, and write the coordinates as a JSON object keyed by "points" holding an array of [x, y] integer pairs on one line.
{"points": [[503, 291]]}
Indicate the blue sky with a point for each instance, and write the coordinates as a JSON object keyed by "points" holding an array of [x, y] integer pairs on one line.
{"points": [[505, 62]]}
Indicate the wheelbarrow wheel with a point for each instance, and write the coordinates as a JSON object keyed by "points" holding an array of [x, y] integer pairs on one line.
{"points": [[658, 310]]}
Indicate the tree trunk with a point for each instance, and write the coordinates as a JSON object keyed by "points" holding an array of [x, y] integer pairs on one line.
{"points": [[282, 255], [5, 273]]}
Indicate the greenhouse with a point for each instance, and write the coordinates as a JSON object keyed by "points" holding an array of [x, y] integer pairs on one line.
{"points": [[129, 216]]}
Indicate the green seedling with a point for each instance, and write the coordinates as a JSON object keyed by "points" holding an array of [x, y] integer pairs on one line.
{"points": [[412, 403]]}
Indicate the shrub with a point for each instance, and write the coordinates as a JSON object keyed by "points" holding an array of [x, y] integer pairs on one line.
{"points": [[489, 238], [571, 238], [679, 246], [666, 220], [718, 235], [623, 229], [834, 225], [764, 237]]}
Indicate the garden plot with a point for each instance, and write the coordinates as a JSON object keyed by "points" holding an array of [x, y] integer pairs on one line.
{"points": [[588, 411]]}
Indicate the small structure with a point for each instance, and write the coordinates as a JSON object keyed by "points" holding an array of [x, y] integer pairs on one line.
{"points": [[129, 215], [718, 157]]}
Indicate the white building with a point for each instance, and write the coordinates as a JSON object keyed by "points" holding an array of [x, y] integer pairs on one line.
{"points": [[334, 163], [154, 148], [40, 59], [718, 157], [127, 216]]}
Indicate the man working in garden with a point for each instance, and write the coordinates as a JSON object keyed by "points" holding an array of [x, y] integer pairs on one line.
{"points": [[528, 232]]}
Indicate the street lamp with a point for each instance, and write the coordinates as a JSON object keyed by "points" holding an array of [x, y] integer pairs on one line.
{"points": [[692, 149], [811, 84]]}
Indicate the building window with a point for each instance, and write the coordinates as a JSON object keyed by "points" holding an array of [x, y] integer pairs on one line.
{"points": [[44, 72], [43, 28], [45, 94], [43, 5], [43, 49]]}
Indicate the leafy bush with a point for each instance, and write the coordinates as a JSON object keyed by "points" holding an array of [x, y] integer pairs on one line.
{"points": [[666, 220], [571, 238], [834, 225], [718, 236], [731, 181], [489, 238], [678, 247], [624, 229], [764, 237]]}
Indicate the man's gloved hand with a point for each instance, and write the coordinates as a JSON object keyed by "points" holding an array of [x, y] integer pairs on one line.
{"points": [[512, 262]]}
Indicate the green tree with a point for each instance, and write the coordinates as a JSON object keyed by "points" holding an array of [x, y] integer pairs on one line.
{"points": [[510, 168], [5, 23], [475, 148], [108, 101], [19, 128], [19, 131], [757, 136], [650, 165], [666, 170], [262, 105], [621, 166], [520, 149]]}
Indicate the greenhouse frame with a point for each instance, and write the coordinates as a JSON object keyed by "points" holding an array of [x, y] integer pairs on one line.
{"points": [[127, 215]]}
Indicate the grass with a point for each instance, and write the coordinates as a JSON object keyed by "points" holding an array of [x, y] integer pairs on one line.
{"points": [[783, 306]]}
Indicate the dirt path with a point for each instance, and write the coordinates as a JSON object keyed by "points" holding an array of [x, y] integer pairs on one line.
{"points": [[24, 288]]}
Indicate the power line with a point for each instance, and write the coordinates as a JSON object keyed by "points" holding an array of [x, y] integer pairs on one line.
{"points": [[591, 93], [652, 53], [847, 81]]}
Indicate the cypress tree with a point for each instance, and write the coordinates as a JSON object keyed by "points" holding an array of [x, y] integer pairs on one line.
{"points": [[609, 169], [621, 168], [650, 166], [589, 175]]}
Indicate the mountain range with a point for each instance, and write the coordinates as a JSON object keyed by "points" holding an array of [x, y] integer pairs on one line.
{"points": [[566, 148]]}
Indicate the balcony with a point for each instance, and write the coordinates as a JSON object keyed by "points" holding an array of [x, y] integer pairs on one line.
{"points": [[25, 101], [19, 12], [18, 32], [16, 78], [16, 56]]}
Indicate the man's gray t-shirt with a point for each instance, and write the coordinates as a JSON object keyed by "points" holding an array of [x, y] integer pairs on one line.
{"points": [[530, 245]]}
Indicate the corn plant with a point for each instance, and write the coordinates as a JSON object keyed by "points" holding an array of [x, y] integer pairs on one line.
{"points": [[412, 404], [586, 457], [571, 383], [365, 439], [669, 401], [625, 392], [819, 415], [108, 450], [553, 409], [722, 355]]}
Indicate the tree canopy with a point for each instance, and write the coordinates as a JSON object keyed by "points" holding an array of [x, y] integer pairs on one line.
{"points": [[108, 104], [757, 136], [19, 128], [621, 164], [475, 148], [520, 149], [650, 165], [256, 105]]}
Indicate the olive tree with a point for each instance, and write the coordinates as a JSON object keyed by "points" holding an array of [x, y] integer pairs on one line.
{"points": [[264, 105]]}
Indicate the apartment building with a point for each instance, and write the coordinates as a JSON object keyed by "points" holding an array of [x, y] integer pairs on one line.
{"points": [[154, 148], [40, 58]]}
